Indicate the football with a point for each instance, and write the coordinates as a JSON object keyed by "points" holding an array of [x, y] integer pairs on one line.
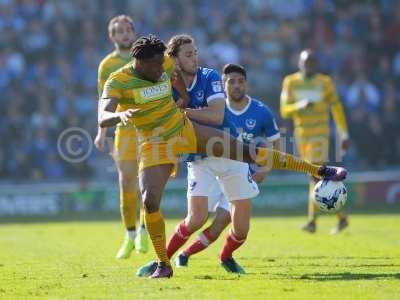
{"points": [[330, 196]]}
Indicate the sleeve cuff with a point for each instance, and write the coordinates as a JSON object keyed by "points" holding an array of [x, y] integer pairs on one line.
{"points": [[215, 96], [274, 137]]}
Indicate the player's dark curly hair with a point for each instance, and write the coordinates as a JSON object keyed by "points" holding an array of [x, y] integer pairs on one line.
{"points": [[234, 68], [176, 42], [147, 47]]}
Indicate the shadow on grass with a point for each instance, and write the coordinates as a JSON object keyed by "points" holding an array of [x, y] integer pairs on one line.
{"points": [[277, 258], [213, 277], [348, 276]]}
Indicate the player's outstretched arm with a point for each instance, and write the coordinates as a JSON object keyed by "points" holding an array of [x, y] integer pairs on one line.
{"points": [[109, 118]]}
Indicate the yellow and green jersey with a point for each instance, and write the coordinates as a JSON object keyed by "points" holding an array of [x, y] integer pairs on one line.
{"points": [[111, 63], [314, 120], [158, 117]]}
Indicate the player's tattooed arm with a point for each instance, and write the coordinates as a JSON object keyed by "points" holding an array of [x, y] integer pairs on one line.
{"points": [[108, 117]]}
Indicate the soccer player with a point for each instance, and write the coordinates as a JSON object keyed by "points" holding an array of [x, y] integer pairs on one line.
{"points": [[122, 34], [253, 121], [143, 88], [208, 175], [307, 98]]}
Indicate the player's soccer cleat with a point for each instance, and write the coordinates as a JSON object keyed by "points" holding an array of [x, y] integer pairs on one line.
{"points": [[126, 248], [147, 269], [310, 227], [342, 224], [231, 266], [141, 241], [332, 173], [162, 271], [181, 260]]}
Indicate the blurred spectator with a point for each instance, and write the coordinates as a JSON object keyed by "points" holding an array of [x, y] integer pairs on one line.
{"points": [[50, 50], [363, 94]]}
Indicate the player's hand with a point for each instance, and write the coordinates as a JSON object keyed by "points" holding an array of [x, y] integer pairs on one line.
{"points": [[126, 115], [179, 85], [100, 141], [176, 81], [260, 176], [180, 103]]}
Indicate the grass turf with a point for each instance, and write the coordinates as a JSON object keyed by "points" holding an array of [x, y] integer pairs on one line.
{"points": [[76, 260]]}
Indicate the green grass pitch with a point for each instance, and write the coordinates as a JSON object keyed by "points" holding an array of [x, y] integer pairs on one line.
{"points": [[75, 260]]}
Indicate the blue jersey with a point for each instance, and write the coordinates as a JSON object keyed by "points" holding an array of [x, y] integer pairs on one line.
{"points": [[206, 87], [254, 123]]}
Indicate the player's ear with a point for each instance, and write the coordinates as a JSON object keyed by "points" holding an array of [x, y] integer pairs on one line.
{"points": [[224, 79]]}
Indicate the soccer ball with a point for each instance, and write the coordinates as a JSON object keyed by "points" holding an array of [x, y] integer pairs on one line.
{"points": [[330, 195]]}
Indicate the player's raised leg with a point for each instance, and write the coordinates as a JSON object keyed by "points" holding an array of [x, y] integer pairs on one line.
{"points": [[218, 143], [152, 181]]}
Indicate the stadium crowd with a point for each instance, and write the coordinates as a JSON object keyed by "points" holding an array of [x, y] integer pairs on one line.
{"points": [[50, 50]]}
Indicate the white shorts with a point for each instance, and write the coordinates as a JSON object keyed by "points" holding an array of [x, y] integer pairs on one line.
{"points": [[221, 180]]}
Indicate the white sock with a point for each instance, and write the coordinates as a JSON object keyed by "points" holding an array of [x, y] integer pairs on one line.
{"points": [[131, 234]]}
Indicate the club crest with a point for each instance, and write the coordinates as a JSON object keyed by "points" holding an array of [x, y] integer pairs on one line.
{"points": [[199, 95], [250, 123]]}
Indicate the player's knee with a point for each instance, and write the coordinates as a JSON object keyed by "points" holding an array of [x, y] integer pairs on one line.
{"points": [[241, 236], [151, 199], [221, 221], [195, 221], [128, 181], [241, 233], [215, 231]]}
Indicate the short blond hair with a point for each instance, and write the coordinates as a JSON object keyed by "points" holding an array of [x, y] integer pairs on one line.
{"points": [[119, 19]]}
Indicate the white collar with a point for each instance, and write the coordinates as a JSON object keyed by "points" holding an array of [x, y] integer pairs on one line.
{"points": [[193, 83], [239, 112]]}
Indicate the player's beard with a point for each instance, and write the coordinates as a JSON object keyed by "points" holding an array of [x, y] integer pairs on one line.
{"points": [[187, 71], [237, 96]]}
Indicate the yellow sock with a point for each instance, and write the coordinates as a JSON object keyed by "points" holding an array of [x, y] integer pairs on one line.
{"points": [[156, 228], [128, 208], [141, 214], [312, 207], [274, 159]]}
